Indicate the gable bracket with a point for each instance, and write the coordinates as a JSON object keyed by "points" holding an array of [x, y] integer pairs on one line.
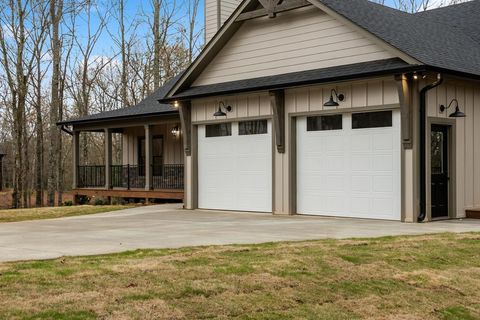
{"points": [[185, 110], [277, 102], [271, 8]]}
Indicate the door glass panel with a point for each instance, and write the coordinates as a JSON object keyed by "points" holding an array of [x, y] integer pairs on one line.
{"points": [[321, 123], [252, 127], [218, 130], [437, 152], [372, 120]]}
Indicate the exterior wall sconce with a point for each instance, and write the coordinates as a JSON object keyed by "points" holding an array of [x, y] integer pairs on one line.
{"points": [[457, 113], [219, 112], [175, 131], [331, 102]]}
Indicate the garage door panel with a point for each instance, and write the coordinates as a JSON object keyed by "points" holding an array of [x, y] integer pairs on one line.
{"points": [[358, 177], [235, 172]]}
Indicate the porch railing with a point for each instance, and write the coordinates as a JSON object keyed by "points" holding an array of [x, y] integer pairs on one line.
{"points": [[91, 176], [167, 176]]}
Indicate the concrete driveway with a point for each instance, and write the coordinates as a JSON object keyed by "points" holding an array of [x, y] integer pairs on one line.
{"points": [[168, 226]]}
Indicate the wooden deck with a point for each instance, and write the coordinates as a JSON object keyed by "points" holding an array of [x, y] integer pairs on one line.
{"points": [[174, 194]]}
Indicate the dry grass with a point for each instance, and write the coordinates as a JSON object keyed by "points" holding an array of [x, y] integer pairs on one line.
{"points": [[13, 215], [420, 277]]}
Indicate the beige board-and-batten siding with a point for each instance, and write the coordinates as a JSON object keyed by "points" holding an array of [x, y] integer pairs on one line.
{"points": [[301, 39], [467, 139], [363, 95], [172, 146]]}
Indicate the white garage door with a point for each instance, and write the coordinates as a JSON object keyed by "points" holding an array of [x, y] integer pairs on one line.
{"points": [[235, 166], [349, 165]]}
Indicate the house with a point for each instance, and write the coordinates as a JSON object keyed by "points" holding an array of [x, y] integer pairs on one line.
{"points": [[339, 108]]}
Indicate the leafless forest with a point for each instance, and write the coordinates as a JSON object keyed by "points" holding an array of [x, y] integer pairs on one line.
{"points": [[66, 58]]}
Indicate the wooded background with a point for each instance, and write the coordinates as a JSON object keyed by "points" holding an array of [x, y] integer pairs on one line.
{"points": [[61, 59]]}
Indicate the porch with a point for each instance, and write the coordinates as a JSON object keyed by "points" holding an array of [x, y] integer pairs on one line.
{"points": [[148, 161]]}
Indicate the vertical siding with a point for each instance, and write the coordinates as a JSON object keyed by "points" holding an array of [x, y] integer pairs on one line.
{"points": [[357, 94], [251, 105], [212, 17], [301, 39], [172, 146], [467, 142]]}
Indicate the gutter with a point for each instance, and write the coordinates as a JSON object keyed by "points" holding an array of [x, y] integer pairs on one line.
{"points": [[110, 119], [423, 164]]}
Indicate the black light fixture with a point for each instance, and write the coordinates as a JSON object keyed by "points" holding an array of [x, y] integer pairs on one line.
{"points": [[331, 102], [219, 112], [457, 113]]}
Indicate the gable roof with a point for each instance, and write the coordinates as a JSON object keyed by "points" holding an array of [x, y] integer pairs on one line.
{"points": [[426, 38], [147, 107]]}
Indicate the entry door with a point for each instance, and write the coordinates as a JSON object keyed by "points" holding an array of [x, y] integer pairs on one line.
{"points": [[235, 166], [439, 168]]}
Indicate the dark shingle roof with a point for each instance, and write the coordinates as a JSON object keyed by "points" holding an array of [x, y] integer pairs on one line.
{"points": [[147, 107], [464, 16], [431, 38], [357, 70]]}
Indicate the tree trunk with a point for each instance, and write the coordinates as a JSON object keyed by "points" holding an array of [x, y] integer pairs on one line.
{"points": [[156, 44], [56, 7]]}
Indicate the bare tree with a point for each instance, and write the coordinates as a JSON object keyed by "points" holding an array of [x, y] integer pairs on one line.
{"points": [[18, 49]]}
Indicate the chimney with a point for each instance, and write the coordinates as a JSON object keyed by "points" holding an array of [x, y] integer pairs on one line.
{"points": [[216, 13]]}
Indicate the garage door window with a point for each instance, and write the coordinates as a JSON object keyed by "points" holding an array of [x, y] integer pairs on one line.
{"points": [[372, 120], [321, 123], [218, 130], [252, 127]]}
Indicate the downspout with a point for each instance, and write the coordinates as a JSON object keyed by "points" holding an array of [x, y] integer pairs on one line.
{"points": [[423, 165]]}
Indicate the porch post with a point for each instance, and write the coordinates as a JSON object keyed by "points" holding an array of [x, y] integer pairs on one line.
{"points": [[108, 158], [148, 157], [76, 157]]}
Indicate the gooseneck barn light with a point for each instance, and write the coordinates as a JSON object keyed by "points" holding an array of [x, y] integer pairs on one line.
{"points": [[331, 102], [219, 112], [457, 113]]}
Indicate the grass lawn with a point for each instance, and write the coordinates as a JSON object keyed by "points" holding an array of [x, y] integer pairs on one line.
{"points": [[13, 215], [416, 277]]}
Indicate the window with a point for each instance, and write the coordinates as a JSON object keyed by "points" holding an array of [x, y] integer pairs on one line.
{"points": [[372, 120], [322, 123], [218, 130], [252, 127]]}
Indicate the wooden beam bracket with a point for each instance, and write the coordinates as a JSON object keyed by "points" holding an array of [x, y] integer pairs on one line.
{"points": [[405, 93], [185, 108], [277, 102], [271, 8]]}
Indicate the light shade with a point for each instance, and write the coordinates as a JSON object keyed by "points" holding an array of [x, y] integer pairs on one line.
{"points": [[331, 103], [219, 113], [457, 113]]}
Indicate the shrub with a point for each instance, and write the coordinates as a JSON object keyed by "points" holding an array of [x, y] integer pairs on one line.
{"points": [[99, 202], [68, 203], [83, 200]]}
